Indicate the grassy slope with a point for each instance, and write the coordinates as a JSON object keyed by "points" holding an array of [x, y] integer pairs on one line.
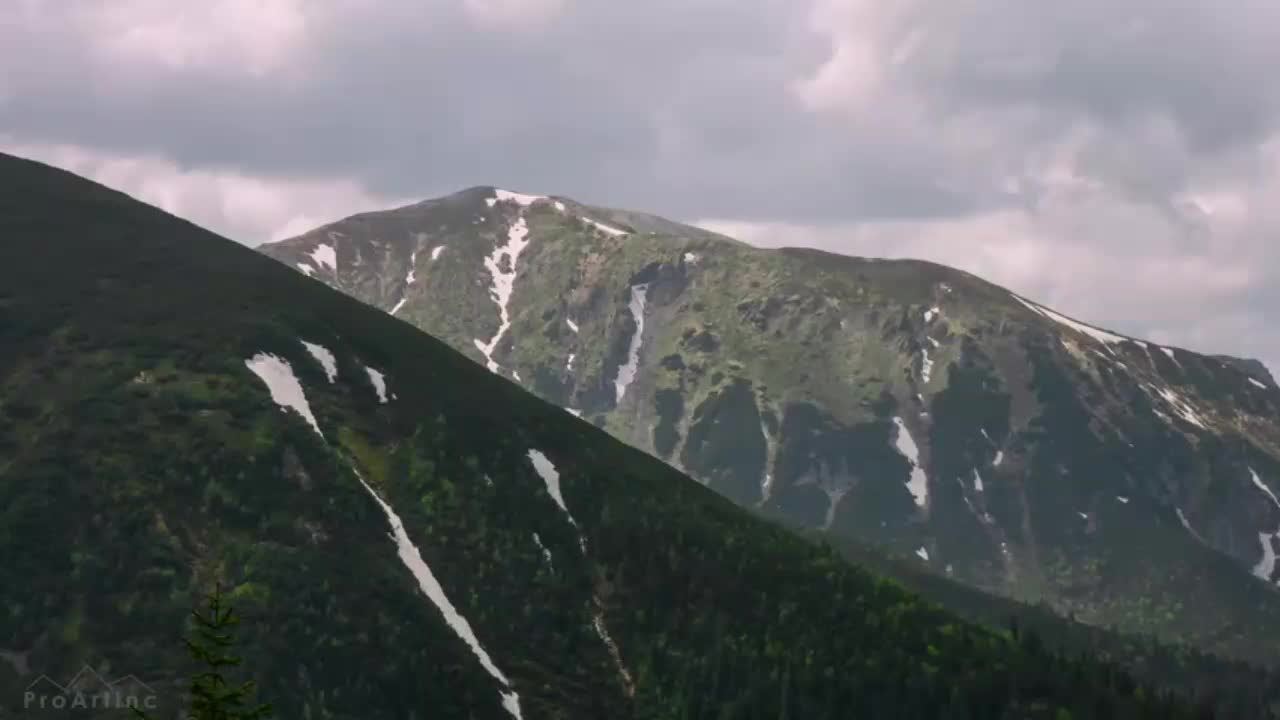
{"points": [[124, 499], [785, 322]]}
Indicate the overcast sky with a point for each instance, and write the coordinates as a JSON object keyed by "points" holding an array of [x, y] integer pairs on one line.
{"points": [[1118, 160]]}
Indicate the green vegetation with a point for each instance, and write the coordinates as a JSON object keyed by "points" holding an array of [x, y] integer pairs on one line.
{"points": [[213, 696], [145, 463], [826, 350]]}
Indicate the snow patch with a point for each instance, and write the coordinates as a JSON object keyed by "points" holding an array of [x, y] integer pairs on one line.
{"points": [[977, 481], [503, 283], [604, 228], [435, 252], [399, 305], [926, 365], [413, 265], [924, 554], [427, 583], [691, 258], [520, 199], [1267, 565], [603, 632], [1095, 333], [306, 269], [1122, 499], [1172, 356], [559, 206], [1182, 407], [918, 485], [545, 552], [572, 325], [999, 459], [569, 365], [931, 313], [1083, 516], [933, 342], [574, 412], [325, 358], [1186, 524], [1262, 385], [379, 383], [283, 385], [1258, 482], [551, 477], [325, 255], [627, 372], [833, 501]]}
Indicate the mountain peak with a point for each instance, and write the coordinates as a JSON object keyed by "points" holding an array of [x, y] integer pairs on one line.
{"points": [[900, 403]]}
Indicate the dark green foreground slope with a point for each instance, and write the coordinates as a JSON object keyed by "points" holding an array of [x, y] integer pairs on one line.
{"points": [[141, 462]]}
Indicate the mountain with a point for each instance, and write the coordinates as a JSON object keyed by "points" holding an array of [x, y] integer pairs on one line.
{"points": [[1253, 368], [901, 404], [404, 533]]}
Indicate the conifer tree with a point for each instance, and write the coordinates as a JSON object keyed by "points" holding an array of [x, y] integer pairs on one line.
{"points": [[213, 695]]}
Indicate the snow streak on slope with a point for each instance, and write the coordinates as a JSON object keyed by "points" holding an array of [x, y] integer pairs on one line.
{"points": [[435, 252], [283, 385], [572, 325], [412, 559], [918, 485], [379, 384], [1258, 383], [627, 372], [977, 481], [1267, 565], [924, 554], [504, 282], [325, 358], [545, 552], [1182, 407], [408, 280], [1261, 486], [413, 264], [926, 366], [306, 269], [547, 470], [1099, 335], [604, 228], [833, 502]]}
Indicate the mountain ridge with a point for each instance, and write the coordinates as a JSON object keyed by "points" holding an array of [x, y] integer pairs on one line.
{"points": [[894, 401], [179, 412]]}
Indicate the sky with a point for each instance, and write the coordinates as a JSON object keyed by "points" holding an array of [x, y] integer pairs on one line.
{"points": [[1117, 160]]}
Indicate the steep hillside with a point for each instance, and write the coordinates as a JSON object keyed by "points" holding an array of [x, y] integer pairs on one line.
{"points": [[898, 403], [405, 534]]}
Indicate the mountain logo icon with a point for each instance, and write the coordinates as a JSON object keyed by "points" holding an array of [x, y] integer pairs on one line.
{"points": [[89, 690]]}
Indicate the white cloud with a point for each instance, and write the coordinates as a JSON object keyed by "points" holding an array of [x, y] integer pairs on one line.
{"points": [[247, 209], [255, 36]]}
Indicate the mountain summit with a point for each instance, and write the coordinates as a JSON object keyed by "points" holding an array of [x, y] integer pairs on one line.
{"points": [[898, 403]]}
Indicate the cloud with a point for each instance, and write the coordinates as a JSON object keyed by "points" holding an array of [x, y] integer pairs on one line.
{"points": [[250, 210], [1116, 158]]}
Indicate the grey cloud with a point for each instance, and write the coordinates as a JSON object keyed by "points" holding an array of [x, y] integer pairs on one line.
{"points": [[688, 108]]}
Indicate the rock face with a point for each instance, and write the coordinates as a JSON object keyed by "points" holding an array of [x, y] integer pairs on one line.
{"points": [[898, 403]]}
